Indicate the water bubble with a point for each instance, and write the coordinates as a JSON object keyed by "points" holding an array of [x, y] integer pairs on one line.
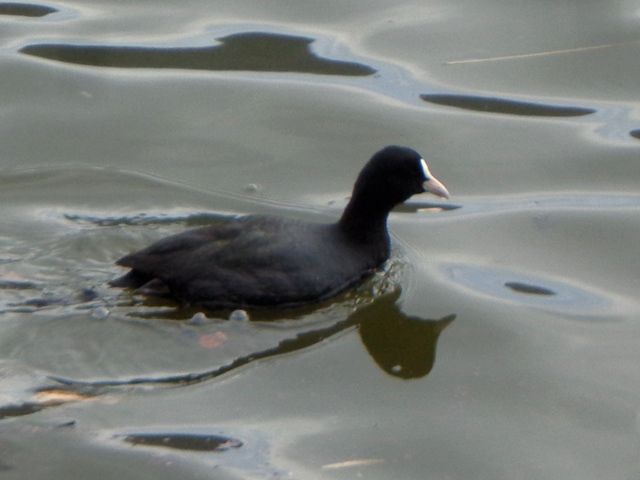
{"points": [[239, 316], [251, 188], [198, 319], [101, 313]]}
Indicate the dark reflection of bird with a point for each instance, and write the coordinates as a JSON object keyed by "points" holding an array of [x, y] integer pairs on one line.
{"points": [[401, 345], [265, 261]]}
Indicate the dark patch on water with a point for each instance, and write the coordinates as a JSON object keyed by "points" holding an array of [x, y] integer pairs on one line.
{"points": [[17, 285], [19, 410], [66, 424], [253, 51], [25, 9], [501, 105], [42, 302], [252, 454], [88, 294], [528, 289], [635, 134], [183, 441], [557, 296]]}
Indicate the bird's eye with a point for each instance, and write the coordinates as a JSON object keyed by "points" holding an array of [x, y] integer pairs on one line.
{"points": [[425, 169]]}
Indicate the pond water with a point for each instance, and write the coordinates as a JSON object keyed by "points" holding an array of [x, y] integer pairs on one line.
{"points": [[499, 342]]}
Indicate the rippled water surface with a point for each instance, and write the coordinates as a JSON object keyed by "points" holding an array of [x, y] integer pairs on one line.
{"points": [[501, 340]]}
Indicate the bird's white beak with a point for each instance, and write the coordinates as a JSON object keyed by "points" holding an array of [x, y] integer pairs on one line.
{"points": [[432, 184], [435, 186]]}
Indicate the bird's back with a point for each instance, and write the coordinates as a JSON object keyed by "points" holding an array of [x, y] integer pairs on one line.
{"points": [[255, 261]]}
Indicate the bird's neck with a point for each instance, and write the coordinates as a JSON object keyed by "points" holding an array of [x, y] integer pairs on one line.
{"points": [[364, 220]]}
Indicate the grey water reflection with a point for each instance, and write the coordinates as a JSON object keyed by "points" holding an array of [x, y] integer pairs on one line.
{"points": [[25, 9], [505, 106], [250, 51], [403, 346]]}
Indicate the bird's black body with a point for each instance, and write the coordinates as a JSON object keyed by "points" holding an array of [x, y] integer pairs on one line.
{"points": [[260, 261], [254, 261]]}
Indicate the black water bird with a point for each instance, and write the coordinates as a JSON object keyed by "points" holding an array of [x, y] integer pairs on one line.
{"points": [[267, 261]]}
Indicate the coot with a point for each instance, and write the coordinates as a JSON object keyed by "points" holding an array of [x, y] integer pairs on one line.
{"points": [[266, 261]]}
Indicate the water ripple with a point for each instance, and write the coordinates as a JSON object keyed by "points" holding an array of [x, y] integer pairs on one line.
{"points": [[553, 295]]}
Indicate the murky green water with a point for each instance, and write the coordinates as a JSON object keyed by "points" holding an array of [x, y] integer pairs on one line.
{"points": [[501, 342]]}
